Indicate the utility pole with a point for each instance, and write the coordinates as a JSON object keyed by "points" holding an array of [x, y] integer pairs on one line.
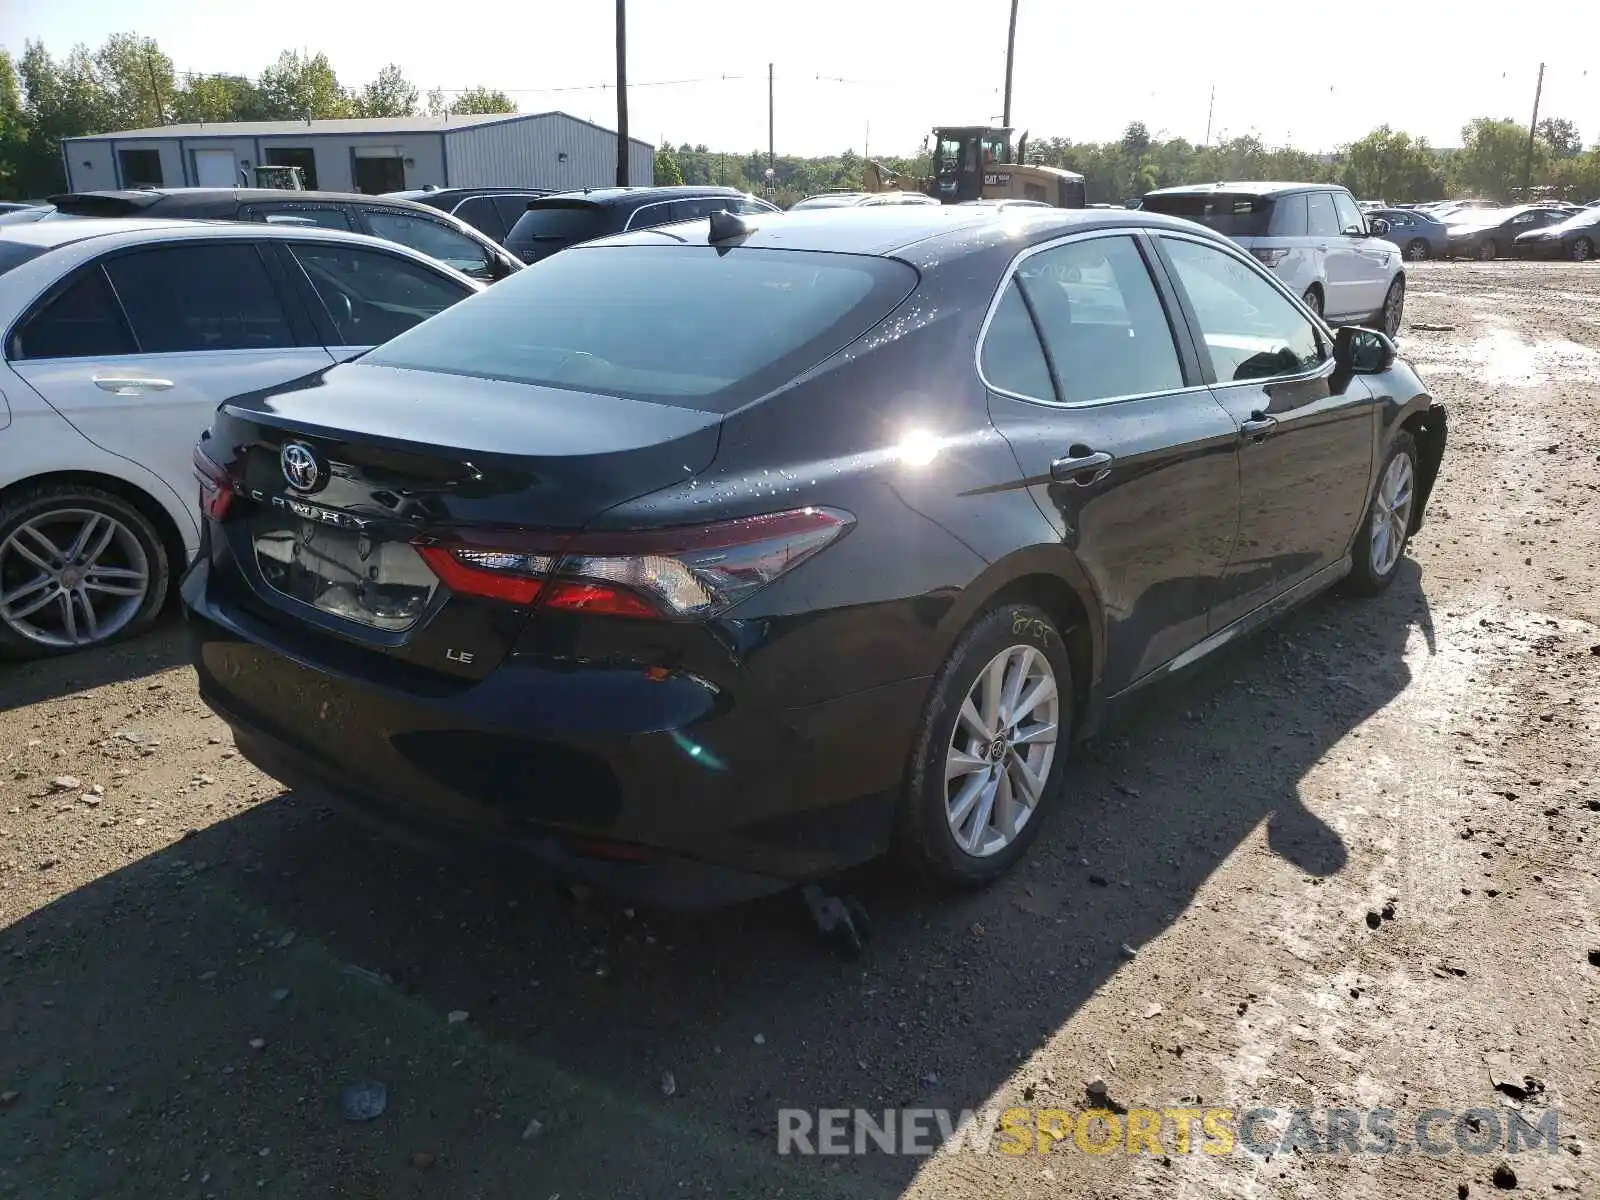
{"points": [[772, 151], [622, 93], [1011, 49], [155, 85], [1527, 163], [1210, 109]]}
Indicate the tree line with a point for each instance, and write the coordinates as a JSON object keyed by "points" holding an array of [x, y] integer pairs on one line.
{"points": [[129, 83], [1386, 164]]}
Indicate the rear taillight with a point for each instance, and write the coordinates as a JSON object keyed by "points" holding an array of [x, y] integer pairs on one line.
{"points": [[686, 572], [216, 486], [1271, 257]]}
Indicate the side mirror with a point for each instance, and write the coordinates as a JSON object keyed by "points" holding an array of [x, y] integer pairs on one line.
{"points": [[1363, 351], [1354, 231], [1378, 227]]}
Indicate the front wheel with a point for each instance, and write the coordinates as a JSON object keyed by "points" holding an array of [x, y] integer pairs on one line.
{"points": [[990, 748], [1313, 300], [1394, 304], [79, 567], [1582, 250], [1416, 250], [1487, 250], [1382, 541]]}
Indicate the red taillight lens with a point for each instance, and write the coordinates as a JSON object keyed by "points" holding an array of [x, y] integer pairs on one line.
{"points": [[698, 571], [216, 486], [496, 574]]}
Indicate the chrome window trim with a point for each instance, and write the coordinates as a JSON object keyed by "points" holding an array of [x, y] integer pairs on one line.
{"points": [[1130, 232]]}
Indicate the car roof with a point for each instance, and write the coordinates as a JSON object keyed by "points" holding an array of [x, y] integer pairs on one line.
{"points": [[417, 194], [48, 235], [889, 230], [635, 196], [148, 197], [1244, 187]]}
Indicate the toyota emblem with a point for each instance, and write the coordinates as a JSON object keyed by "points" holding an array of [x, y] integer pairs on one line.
{"points": [[300, 466]]}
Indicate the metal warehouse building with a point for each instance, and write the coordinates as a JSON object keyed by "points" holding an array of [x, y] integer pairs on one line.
{"points": [[377, 154]]}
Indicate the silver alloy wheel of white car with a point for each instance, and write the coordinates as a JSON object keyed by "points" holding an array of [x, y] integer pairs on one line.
{"points": [[1001, 750], [1391, 514], [72, 577]]}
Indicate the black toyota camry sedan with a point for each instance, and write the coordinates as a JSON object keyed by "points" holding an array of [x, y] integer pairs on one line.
{"points": [[719, 556]]}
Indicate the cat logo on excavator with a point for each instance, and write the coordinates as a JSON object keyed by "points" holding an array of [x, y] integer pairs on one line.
{"points": [[975, 162]]}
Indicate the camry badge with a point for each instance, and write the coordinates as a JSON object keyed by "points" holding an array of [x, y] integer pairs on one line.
{"points": [[300, 466]]}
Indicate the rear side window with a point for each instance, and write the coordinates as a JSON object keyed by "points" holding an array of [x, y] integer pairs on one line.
{"points": [[1101, 319], [546, 221], [200, 297], [1289, 216], [683, 325], [82, 322], [1013, 361], [1229, 213]]}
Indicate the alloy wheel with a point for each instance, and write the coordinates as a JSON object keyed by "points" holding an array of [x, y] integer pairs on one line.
{"points": [[1001, 750], [71, 577], [1487, 250], [1313, 300], [1416, 250], [1582, 250], [1391, 514], [1393, 306]]}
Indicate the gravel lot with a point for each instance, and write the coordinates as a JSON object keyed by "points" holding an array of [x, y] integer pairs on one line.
{"points": [[195, 965]]}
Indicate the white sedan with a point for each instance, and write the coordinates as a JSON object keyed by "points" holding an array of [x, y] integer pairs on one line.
{"points": [[120, 339]]}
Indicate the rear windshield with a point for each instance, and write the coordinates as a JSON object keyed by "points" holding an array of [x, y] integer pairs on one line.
{"points": [[689, 326], [557, 221], [1230, 214], [13, 255]]}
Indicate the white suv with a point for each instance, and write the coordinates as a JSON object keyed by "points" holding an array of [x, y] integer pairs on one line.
{"points": [[1312, 236], [120, 339]]}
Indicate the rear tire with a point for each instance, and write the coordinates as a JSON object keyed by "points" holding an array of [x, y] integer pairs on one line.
{"points": [[1380, 545], [1313, 299], [984, 773], [1487, 250], [54, 602], [1582, 250], [1416, 250]]}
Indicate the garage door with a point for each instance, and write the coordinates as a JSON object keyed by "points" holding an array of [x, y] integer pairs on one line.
{"points": [[214, 168]]}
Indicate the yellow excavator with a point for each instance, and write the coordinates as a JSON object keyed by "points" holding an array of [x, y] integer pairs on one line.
{"points": [[975, 162]]}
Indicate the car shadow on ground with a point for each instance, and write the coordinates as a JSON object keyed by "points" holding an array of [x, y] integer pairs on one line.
{"points": [[653, 1052], [23, 683]]}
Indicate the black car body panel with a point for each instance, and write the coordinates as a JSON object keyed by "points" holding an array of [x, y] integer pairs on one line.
{"points": [[768, 742]]}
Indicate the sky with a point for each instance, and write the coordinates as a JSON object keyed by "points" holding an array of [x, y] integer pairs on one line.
{"points": [[876, 75]]}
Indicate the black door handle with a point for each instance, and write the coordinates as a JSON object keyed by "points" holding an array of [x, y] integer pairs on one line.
{"points": [[1084, 470]]}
